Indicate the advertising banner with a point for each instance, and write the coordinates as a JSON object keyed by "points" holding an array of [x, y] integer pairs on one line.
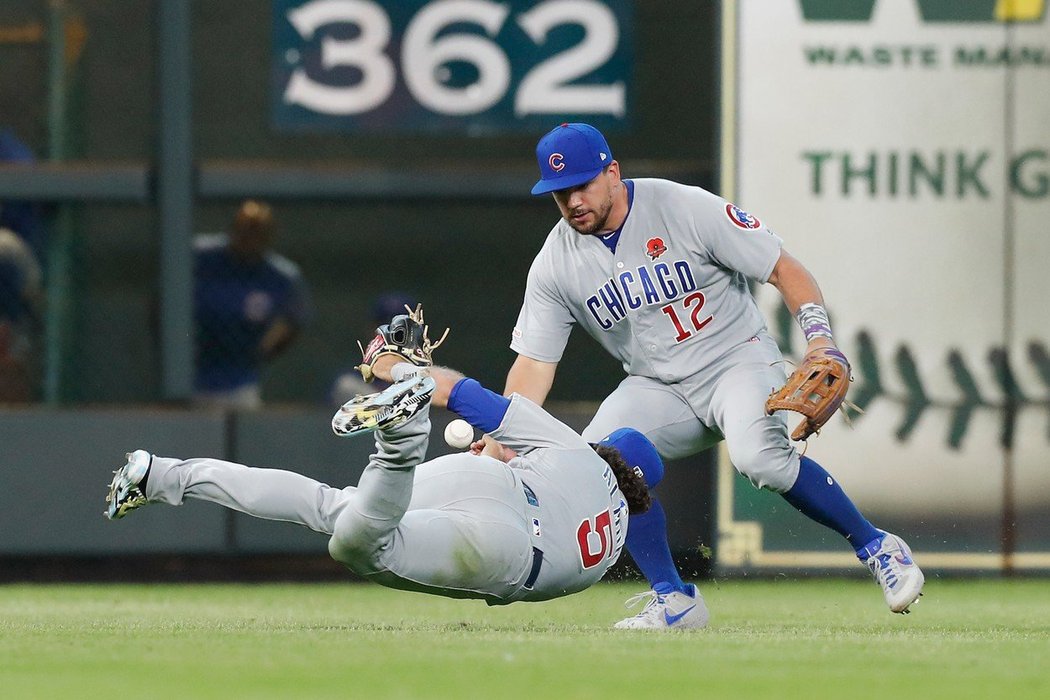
{"points": [[901, 149]]}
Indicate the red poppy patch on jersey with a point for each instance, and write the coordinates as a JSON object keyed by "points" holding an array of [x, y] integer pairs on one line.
{"points": [[741, 218], [655, 247]]}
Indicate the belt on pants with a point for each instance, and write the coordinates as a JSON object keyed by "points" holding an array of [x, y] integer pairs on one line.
{"points": [[537, 562], [537, 553]]}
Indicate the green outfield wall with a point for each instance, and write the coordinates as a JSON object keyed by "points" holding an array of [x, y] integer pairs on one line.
{"points": [[58, 463]]}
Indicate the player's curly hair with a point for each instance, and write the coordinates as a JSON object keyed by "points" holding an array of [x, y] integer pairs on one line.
{"points": [[632, 484]]}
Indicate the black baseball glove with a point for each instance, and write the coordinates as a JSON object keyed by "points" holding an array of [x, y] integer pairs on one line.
{"points": [[406, 337]]}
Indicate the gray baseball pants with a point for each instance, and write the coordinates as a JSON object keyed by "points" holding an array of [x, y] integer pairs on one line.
{"points": [[454, 526], [727, 400]]}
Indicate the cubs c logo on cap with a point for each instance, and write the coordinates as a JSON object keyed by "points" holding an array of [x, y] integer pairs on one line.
{"points": [[570, 155], [741, 218]]}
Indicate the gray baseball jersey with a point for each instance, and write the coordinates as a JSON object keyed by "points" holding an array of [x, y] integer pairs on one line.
{"points": [[671, 300], [548, 524], [576, 510]]}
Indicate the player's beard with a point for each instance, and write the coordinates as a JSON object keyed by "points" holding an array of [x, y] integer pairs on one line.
{"points": [[601, 218]]}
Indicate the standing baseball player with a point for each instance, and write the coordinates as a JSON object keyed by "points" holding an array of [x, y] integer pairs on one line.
{"points": [[533, 513], [657, 273]]}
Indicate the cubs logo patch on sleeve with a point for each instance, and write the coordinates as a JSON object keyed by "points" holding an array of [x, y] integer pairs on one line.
{"points": [[741, 218]]}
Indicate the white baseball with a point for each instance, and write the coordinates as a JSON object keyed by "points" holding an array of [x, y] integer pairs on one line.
{"points": [[459, 434]]}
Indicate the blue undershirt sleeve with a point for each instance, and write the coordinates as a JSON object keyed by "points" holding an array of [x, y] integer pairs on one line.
{"points": [[477, 405]]}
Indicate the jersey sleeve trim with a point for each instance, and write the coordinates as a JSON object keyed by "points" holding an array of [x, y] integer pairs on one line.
{"points": [[772, 264], [545, 321], [533, 355]]}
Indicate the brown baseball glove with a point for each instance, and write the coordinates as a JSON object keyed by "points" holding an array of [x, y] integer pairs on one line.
{"points": [[406, 337], [815, 389]]}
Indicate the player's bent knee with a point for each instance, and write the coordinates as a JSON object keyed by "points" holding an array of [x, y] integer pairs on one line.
{"points": [[354, 555], [773, 468], [355, 543]]}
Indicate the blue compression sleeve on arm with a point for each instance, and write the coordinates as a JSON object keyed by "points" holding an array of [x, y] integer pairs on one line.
{"points": [[480, 407]]}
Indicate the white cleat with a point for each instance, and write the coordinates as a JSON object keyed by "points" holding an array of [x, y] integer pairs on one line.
{"points": [[386, 409], [124, 492], [667, 609], [898, 574]]}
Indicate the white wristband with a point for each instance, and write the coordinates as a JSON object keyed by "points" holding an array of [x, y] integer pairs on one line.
{"points": [[813, 319], [403, 370]]}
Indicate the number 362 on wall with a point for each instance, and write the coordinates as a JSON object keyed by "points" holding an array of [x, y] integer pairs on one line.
{"points": [[449, 64]]}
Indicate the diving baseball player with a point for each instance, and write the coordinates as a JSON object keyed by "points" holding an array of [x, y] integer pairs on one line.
{"points": [[533, 513], [657, 273]]}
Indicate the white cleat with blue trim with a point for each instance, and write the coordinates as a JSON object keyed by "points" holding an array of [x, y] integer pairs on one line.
{"points": [[667, 609], [898, 574]]}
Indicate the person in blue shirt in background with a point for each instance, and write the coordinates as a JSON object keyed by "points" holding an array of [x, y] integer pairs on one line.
{"points": [[21, 299], [24, 218], [22, 249], [250, 304]]}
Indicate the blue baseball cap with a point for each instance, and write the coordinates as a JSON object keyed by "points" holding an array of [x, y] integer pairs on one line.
{"points": [[638, 452], [570, 155]]}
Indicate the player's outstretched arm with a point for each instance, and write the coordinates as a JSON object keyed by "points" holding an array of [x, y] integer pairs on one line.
{"points": [[799, 287], [486, 410], [445, 378], [818, 386], [795, 283], [481, 407], [531, 378]]}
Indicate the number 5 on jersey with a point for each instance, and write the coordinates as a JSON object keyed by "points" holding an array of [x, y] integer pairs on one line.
{"points": [[594, 536]]}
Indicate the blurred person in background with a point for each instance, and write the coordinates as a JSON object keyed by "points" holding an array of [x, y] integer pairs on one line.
{"points": [[250, 304], [20, 300], [348, 383], [23, 218]]}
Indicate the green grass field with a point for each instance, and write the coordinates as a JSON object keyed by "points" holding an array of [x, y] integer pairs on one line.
{"points": [[770, 639]]}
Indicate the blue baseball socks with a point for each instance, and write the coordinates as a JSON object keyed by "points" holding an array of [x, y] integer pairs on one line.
{"points": [[647, 543], [820, 498]]}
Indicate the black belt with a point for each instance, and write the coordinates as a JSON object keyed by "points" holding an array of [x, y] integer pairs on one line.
{"points": [[537, 562]]}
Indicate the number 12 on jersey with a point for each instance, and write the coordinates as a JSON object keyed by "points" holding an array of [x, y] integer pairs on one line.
{"points": [[691, 307]]}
